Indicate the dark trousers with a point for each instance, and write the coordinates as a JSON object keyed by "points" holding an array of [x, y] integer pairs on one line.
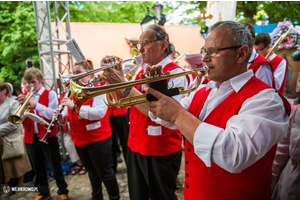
{"points": [[120, 129], [152, 176], [97, 160], [39, 152]]}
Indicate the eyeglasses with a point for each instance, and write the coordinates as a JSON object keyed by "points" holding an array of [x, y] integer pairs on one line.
{"points": [[212, 52], [145, 44], [261, 49]]}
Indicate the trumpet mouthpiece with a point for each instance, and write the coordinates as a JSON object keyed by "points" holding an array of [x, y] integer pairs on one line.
{"points": [[204, 68]]}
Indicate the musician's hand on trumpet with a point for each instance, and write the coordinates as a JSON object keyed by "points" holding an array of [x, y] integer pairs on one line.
{"points": [[31, 104], [113, 74], [116, 75], [166, 108], [153, 71]]}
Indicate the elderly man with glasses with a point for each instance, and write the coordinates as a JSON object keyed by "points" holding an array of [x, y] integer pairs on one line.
{"points": [[231, 125], [154, 153]]}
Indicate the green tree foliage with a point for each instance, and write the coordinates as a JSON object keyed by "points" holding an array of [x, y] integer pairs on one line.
{"points": [[199, 5], [18, 40], [280, 10], [109, 11]]}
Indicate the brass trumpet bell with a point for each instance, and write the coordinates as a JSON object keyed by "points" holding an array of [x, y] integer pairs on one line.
{"points": [[81, 94], [17, 118]]}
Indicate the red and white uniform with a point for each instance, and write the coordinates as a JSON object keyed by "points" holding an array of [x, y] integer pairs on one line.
{"points": [[91, 124], [261, 68], [280, 67], [46, 103], [233, 147], [147, 137]]}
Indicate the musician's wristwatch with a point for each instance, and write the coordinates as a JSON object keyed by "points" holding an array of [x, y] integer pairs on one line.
{"points": [[126, 91]]}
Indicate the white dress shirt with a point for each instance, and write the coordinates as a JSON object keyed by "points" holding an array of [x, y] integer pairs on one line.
{"points": [[264, 73], [249, 135], [45, 111], [279, 73], [95, 112]]}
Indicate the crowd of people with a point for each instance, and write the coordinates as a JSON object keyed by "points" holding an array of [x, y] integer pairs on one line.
{"points": [[240, 139]]}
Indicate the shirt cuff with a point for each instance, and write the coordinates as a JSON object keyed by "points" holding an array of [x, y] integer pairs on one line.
{"points": [[204, 139], [39, 107], [83, 112], [153, 118], [161, 122]]}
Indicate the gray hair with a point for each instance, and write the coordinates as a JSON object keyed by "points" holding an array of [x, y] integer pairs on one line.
{"points": [[161, 34], [240, 35]]}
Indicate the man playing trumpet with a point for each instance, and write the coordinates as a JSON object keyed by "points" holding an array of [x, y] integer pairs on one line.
{"points": [[231, 126], [154, 153], [44, 105]]}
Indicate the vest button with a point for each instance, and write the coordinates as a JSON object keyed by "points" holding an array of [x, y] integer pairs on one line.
{"points": [[189, 149], [131, 126], [132, 136], [187, 162], [187, 175], [187, 186], [131, 116]]}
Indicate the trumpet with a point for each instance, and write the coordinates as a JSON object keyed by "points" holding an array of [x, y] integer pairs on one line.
{"points": [[17, 118], [65, 80], [81, 94]]}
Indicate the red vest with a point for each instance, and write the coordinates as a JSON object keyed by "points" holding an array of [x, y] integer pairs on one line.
{"points": [[139, 141], [28, 123], [258, 62], [275, 62], [79, 133], [114, 111], [213, 182]]}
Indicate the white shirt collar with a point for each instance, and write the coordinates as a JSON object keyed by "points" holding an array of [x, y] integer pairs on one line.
{"points": [[236, 82], [40, 92], [164, 61]]}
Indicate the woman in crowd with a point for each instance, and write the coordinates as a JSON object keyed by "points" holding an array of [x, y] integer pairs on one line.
{"points": [[14, 167], [286, 165], [91, 134]]}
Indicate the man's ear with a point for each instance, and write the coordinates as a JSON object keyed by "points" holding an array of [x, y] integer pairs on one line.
{"points": [[164, 45], [243, 53]]}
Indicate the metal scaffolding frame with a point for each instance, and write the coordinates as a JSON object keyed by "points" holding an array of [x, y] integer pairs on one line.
{"points": [[53, 60]]}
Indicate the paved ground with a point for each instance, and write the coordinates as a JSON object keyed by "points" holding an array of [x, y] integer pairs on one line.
{"points": [[80, 189]]}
